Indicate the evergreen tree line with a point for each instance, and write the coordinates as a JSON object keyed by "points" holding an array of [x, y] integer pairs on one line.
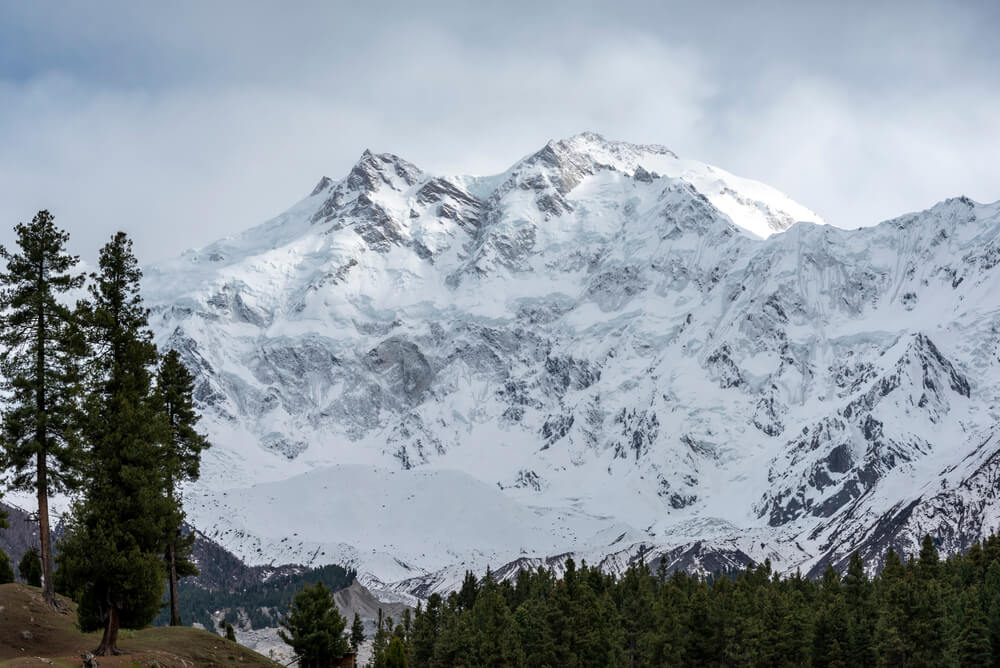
{"points": [[921, 612], [258, 606], [91, 409]]}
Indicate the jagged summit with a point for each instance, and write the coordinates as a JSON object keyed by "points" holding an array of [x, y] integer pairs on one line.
{"points": [[595, 353], [617, 154], [374, 170], [323, 184]]}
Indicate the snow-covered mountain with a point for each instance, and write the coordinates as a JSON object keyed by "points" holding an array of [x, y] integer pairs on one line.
{"points": [[607, 351]]}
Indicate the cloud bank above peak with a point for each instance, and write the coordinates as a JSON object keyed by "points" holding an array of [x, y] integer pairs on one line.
{"points": [[185, 123]]}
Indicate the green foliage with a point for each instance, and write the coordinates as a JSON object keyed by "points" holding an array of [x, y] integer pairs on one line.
{"points": [[357, 632], [974, 640], [927, 612], [41, 350], [181, 458], [41, 353], [314, 628], [495, 640], [6, 571], [30, 567], [175, 393], [395, 656], [467, 594], [426, 627], [134, 590], [113, 548], [380, 642], [230, 632]]}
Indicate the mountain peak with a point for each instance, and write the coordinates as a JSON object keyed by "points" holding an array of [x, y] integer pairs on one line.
{"points": [[590, 152], [593, 142], [374, 169], [620, 364], [323, 184]]}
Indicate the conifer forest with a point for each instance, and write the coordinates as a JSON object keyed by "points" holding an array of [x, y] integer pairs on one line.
{"points": [[919, 611]]}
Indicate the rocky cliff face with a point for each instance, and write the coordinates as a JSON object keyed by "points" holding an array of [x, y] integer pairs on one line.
{"points": [[606, 351]]}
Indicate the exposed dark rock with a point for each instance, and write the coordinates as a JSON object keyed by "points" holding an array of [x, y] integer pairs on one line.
{"points": [[404, 365]]}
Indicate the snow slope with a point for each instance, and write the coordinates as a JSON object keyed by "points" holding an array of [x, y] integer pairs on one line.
{"points": [[606, 351]]}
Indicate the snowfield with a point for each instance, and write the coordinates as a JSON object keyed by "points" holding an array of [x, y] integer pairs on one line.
{"points": [[606, 351]]}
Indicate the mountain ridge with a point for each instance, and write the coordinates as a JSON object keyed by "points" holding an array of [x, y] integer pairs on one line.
{"points": [[629, 352]]}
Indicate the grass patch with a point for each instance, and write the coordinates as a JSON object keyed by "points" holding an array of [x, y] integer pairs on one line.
{"points": [[30, 631]]}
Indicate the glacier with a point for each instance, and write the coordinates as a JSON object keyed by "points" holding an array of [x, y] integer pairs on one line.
{"points": [[606, 352]]}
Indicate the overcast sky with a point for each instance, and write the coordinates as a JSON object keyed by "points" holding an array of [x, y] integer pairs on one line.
{"points": [[182, 122]]}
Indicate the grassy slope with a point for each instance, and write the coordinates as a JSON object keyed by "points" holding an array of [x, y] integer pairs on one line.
{"points": [[54, 637]]}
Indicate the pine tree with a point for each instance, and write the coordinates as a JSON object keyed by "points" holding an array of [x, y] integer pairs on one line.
{"points": [[182, 455], [834, 656], [534, 632], [896, 599], [30, 567], [380, 641], [974, 640], [40, 353], [113, 550], [454, 645], [406, 622], [467, 594], [667, 646], [230, 632], [861, 649], [426, 627], [314, 628], [496, 642], [701, 645], [637, 600], [831, 634], [929, 563], [357, 633], [395, 655], [991, 598], [932, 634]]}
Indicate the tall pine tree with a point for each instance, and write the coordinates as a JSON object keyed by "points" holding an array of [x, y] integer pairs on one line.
{"points": [[357, 633], [862, 649], [113, 551], [40, 353], [182, 456], [426, 627]]}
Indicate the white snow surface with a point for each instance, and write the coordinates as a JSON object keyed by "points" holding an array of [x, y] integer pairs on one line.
{"points": [[606, 351]]}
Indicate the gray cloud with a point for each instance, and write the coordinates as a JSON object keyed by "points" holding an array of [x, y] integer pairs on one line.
{"points": [[183, 122]]}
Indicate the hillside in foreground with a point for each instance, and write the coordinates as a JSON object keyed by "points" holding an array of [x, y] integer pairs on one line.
{"points": [[31, 632]]}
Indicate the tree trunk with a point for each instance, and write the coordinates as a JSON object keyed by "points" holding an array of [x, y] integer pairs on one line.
{"points": [[109, 642], [41, 436], [175, 613], [44, 537]]}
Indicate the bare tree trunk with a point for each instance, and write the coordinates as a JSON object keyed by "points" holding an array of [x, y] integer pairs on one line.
{"points": [[48, 586], [175, 613], [42, 481], [109, 642]]}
